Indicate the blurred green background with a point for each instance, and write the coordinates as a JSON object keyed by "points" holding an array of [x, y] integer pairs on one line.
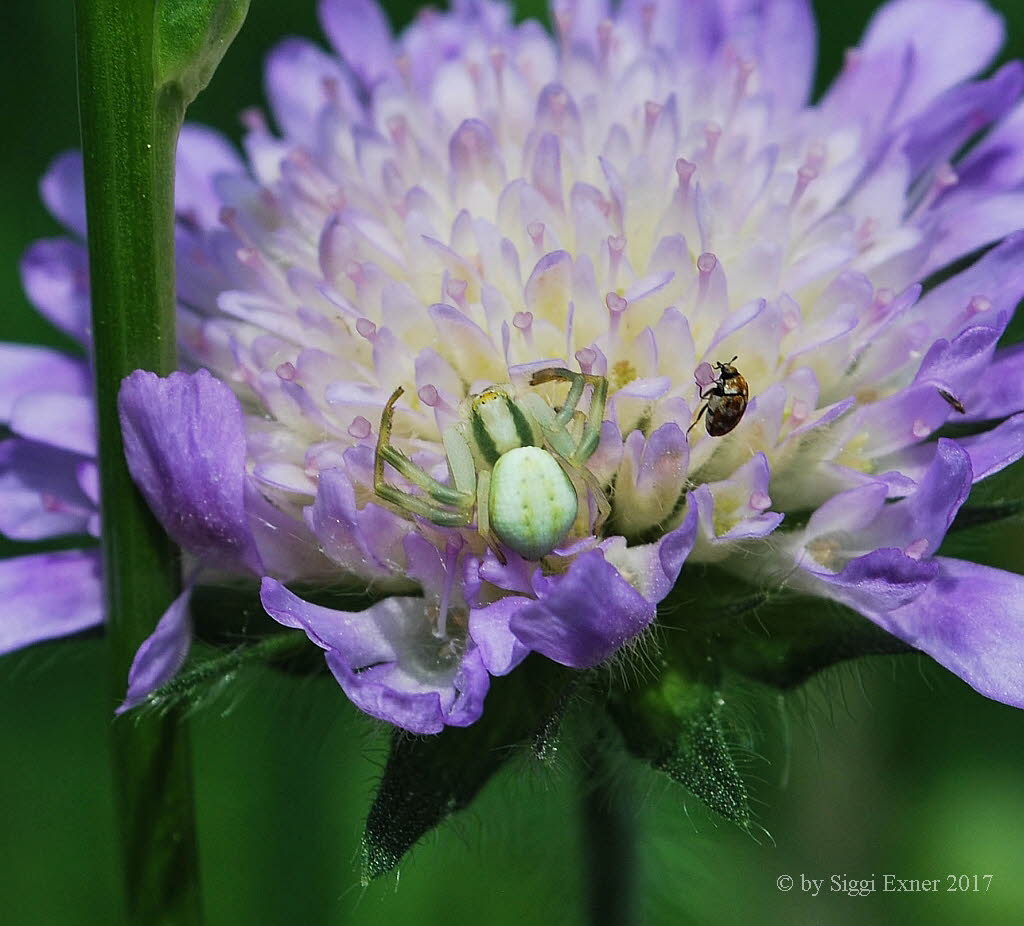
{"points": [[893, 766]]}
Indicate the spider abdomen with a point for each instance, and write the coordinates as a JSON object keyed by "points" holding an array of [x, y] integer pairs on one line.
{"points": [[532, 503]]}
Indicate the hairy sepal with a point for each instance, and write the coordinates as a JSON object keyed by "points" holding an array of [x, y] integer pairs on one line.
{"points": [[675, 722], [429, 778]]}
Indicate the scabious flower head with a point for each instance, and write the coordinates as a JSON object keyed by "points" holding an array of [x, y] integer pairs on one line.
{"points": [[642, 195]]}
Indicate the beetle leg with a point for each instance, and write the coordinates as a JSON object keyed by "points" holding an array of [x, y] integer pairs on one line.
{"points": [[700, 415]]}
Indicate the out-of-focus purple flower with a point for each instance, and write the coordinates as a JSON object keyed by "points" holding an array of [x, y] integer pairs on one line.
{"points": [[643, 196], [48, 476]]}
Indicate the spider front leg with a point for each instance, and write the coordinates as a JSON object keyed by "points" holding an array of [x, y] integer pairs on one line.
{"points": [[403, 503], [573, 456], [604, 507], [483, 517], [578, 455]]}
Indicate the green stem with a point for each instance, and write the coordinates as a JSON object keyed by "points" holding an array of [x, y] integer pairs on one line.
{"points": [[129, 134], [609, 845]]}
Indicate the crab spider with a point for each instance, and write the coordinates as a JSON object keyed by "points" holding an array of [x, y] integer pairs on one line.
{"points": [[515, 463]]}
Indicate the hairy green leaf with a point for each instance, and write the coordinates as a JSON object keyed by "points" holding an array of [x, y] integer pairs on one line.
{"points": [[674, 722], [289, 649], [428, 778], [771, 635]]}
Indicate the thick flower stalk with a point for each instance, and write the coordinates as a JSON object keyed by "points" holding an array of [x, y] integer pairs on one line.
{"points": [[463, 209]]}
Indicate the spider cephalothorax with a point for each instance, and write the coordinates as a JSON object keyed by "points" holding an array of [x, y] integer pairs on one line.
{"points": [[515, 464]]}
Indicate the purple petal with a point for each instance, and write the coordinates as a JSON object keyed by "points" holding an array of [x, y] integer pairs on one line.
{"points": [[184, 440], [745, 494], [649, 476], [547, 170], [514, 575], [466, 339], [994, 450], [368, 539], [938, 133], [87, 474], [653, 568], [970, 619], [500, 649], [549, 288], [300, 79], [578, 20], [693, 30], [583, 616], [998, 277], [161, 654], [25, 369], [361, 33], [63, 191], [997, 161], [55, 275], [382, 692], [949, 40], [859, 519], [39, 492], [474, 154], [963, 228], [48, 595], [999, 390], [923, 518], [202, 154], [959, 363], [387, 660], [287, 549], [901, 420], [762, 29], [879, 581], [848, 511], [58, 419]]}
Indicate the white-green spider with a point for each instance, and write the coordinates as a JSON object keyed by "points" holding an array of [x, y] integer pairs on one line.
{"points": [[515, 463]]}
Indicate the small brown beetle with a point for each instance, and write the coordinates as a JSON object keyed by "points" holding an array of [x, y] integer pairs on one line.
{"points": [[953, 401], [726, 401]]}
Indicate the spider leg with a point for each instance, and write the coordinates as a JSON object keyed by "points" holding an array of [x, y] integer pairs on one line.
{"points": [[483, 516], [604, 507], [577, 382], [440, 495], [460, 461], [589, 480], [595, 418], [404, 504], [595, 415]]}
